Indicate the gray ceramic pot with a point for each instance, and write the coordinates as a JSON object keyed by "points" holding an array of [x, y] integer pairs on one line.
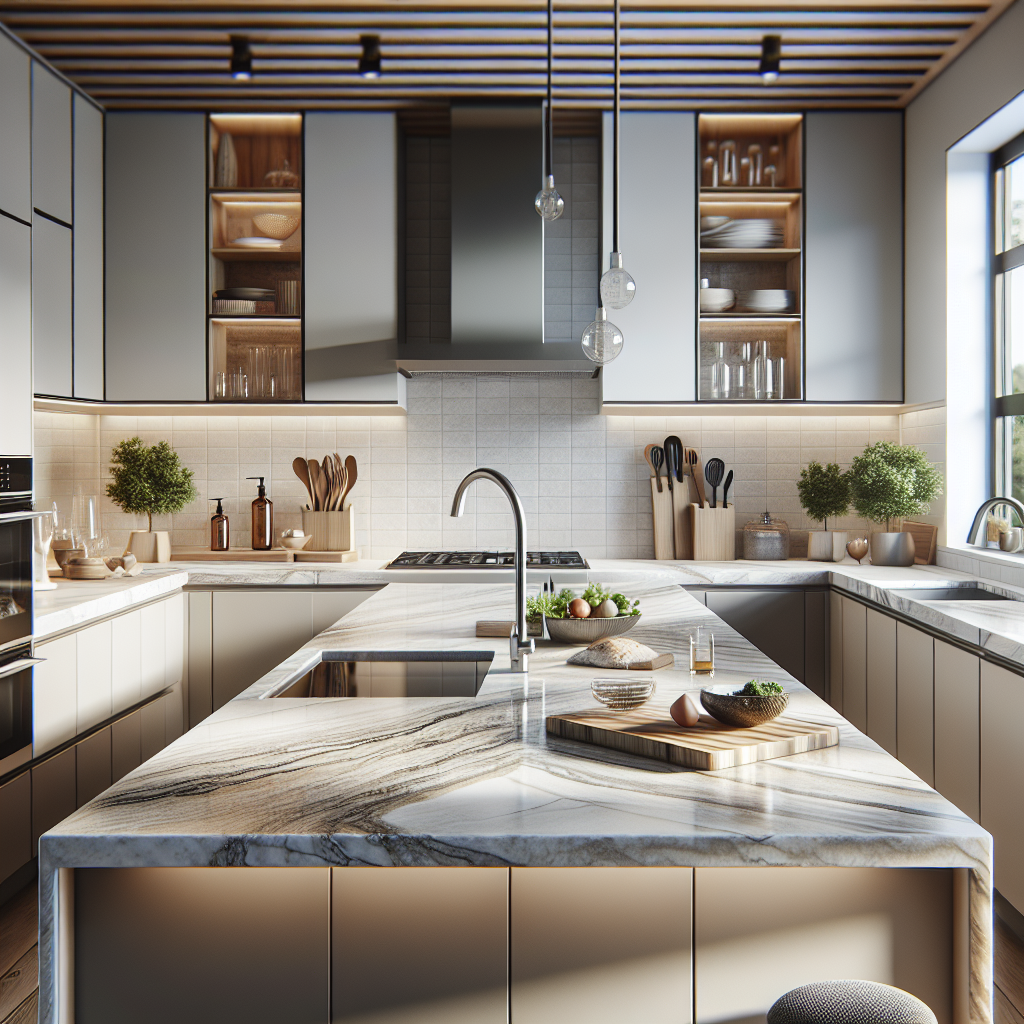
{"points": [[892, 549]]}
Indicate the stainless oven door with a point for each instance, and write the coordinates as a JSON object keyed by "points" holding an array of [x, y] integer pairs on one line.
{"points": [[15, 578], [16, 708]]}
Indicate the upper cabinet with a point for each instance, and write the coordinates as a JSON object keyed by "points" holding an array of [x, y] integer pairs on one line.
{"points": [[155, 239], [87, 245], [51, 308], [16, 130], [658, 229], [51, 144], [16, 337], [854, 243]]}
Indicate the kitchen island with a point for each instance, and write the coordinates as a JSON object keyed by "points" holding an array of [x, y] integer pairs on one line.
{"points": [[325, 786]]}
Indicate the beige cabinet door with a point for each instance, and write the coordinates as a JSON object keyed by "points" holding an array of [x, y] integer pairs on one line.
{"points": [[252, 634], [915, 701], [835, 651], [855, 650], [1002, 769], [174, 625], [881, 680], [94, 675], [16, 847], [413, 945], [153, 647], [126, 660], [55, 694], [586, 941], [958, 727]]}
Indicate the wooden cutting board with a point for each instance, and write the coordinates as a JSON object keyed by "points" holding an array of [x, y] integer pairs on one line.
{"points": [[708, 746]]}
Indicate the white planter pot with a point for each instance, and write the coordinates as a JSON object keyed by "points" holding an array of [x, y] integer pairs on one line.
{"points": [[826, 545], [892, 549], [149, 547]]}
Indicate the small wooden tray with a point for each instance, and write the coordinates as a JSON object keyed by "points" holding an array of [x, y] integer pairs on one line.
{"points": [[231, 555], [708, 746]]}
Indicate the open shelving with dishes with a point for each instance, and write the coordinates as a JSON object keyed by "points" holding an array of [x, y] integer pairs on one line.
{"points": [[255, 257], [751, 257]]}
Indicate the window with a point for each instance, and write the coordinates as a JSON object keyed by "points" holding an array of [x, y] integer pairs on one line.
{"points": [[1008, 305]]}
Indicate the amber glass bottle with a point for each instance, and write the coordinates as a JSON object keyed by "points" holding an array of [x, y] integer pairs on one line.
{"points": [[220, 531], [262, 518]]}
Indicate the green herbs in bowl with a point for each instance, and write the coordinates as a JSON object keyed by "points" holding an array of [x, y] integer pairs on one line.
{"points": [[757, 702], [596, 614]]}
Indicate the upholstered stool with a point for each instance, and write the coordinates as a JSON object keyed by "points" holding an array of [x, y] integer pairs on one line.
{"points": [[849, 1002]]}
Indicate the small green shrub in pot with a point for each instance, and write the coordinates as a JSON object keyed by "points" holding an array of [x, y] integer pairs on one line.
{"points": [[824, 493], [149, 480], [890, 482]]}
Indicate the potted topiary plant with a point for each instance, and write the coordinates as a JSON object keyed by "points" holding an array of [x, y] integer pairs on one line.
{"points": [[889, 482], [824, 492], [150, 480]]}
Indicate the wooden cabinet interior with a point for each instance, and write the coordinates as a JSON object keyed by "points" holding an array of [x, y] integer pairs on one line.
{"points": [[725, 337], [262, 143], [778, 142]]}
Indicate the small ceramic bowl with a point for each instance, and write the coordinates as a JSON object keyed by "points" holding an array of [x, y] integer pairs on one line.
{"points": [[723, 703], [623, 694], [62, 555], [296, 543], [587, 631]]}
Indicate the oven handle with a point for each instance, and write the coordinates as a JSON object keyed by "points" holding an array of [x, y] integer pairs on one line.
{"points": [[13, 517], [19, 666]]}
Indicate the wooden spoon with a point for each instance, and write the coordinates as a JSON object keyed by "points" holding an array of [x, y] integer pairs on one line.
{"points": [[327, 472], [341, 473], [314, 479], [353, 474], [647, 456], [302, 472]]}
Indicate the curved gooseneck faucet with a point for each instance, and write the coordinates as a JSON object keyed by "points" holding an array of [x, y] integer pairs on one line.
{"points": [[520, 645], [975, 536]]}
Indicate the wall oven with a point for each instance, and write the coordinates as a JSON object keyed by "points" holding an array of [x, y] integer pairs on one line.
{"points": [[16, 659]]}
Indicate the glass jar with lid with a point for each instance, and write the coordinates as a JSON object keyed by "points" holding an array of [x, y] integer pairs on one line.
{"points": [[766, 539]]}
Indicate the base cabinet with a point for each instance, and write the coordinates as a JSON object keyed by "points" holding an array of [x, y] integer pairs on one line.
{"points": [[16, 848], [881, 680], [855, 664], [958, 727], [915, 701]]}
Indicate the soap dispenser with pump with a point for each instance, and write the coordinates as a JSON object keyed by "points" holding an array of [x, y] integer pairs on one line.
{"points": [[220, 531], [262, 518]]}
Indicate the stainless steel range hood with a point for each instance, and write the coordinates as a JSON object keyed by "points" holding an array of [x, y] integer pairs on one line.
{"points": [[497, 249]]}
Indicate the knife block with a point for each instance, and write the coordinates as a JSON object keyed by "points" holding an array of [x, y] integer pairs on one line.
{"points": [[714, 533]]}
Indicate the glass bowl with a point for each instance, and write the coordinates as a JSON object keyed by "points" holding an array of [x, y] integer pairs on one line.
{"points": [[623, 694]]}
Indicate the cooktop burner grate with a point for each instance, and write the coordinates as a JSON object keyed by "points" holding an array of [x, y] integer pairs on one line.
{"points": [[486, 560]]}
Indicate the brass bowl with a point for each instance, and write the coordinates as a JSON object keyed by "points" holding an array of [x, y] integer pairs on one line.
{"points": [[723, 703]]}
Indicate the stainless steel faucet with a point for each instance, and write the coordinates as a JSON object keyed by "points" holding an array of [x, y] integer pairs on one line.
{"points": [[982, 514], [520, 645]]}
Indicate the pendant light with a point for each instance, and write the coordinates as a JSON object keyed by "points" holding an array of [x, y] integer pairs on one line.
{"points": [[602, 340], [548, 203], [617, 287]]}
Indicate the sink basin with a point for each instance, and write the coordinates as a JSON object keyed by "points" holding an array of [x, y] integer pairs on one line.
{"points": [[376, 674], [949, 594]]}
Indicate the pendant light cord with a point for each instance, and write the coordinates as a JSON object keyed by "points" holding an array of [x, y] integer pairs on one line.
{"points": [[551, 59], [615, 160]]}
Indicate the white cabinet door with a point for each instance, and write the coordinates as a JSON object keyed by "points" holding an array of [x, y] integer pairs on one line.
{"points": [[958, 727], [126, 660], [881, 680], [853, 256], [153, 624], [915, 701], [586, 940], [16, 130], [88, 250], [351, 190], [156, 293], [55, 694], [253, 633], [51, 144], [659, 246], [420, 946], [15, 335], [16, 835], [174, 624], [51, 308], [94, 674], [855, 650], [1002, 769]]}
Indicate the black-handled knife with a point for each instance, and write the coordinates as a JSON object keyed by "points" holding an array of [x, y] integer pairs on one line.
{"points": [[725, 490]]}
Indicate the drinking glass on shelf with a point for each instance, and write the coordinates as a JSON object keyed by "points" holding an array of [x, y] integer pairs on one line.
{"points": [[778, 377], [702, 652], [761, 372], [220, 385], [720, 373]]}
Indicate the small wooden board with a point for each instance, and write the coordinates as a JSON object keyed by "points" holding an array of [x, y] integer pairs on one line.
{"points": [[305, 555], [924, 535], [231, 555], [708, 746]]}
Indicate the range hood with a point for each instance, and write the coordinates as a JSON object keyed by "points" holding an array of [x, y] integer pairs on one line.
{"points": [[497, 250]]}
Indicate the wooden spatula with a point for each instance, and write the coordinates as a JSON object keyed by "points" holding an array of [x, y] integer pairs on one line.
{"points": [[318, 485], [352, 472], [302, 472]]}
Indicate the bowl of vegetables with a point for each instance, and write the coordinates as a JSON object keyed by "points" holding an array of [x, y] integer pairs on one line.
{"points": [[754, 704], [598, 613]]}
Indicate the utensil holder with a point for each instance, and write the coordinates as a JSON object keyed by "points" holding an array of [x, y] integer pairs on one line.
{"points": [[714, 533], [330, 531]]}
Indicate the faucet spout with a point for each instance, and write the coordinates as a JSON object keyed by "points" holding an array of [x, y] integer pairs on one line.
{"points": [[520, 645], [975, 536]]}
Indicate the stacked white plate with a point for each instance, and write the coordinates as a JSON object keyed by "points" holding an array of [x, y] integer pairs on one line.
{"points": [[769, 300], [749, 233]]}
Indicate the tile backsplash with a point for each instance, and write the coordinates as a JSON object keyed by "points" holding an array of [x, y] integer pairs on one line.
{"points": [[581, 475]]}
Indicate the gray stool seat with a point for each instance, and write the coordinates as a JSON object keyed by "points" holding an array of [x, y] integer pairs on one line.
{"points": [[849, 1002]]}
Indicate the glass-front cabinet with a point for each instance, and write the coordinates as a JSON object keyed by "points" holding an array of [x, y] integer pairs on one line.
{"points": [[751, 257], [255, 257]]}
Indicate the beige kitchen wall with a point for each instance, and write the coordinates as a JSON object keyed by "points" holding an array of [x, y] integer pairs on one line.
{"points": [[582, 476]]}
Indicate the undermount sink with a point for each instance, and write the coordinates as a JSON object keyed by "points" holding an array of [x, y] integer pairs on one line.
{"points": [[949, 594], [394, 674]]}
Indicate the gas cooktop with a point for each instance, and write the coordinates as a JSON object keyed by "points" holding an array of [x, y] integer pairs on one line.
{"points": [[485, 560]]}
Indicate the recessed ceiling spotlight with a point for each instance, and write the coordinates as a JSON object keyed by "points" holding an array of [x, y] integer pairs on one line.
{"points": [[369, 62], [241, 59], [771, 55]]}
